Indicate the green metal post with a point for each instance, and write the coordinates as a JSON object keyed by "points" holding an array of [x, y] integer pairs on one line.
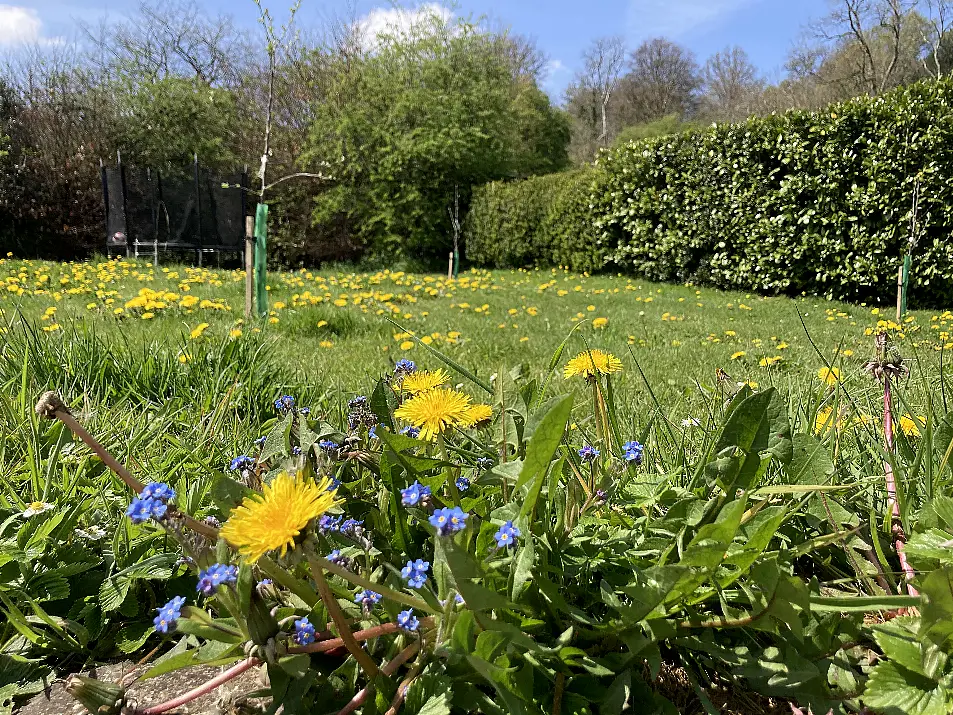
{"points": [[456, 263], [261, 259], [906, 285]]}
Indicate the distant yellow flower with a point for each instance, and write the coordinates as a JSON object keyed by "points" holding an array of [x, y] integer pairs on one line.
{"points": [[591, 362], [198, 330], [910, 426], [769, 361], [275, 518], [422, 381], [406, 345], [783, 345], [235, 333], [326, 344], [600, 322], [322, 323], [273, 320], [738, 355], [829, 376], [436, 411], [184, 358], [51, 328], [148, 316]]}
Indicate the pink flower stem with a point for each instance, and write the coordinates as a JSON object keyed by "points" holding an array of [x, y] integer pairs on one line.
{"points": [[204, 689], [389, 669], [896, 526]]}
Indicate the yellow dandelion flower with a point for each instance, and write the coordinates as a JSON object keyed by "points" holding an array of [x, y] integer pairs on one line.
{"points": [[476, 414], [275, 518], [436, 411], [738, 355], [198, 330], [910, 426], [421, 381], [326, 344], [148, 316], [235, 333], [590, 362], [829, 376], [600, 322], [769, 361], [406, 345]]}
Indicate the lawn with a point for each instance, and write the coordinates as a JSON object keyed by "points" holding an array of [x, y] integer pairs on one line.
{"points": [[337, 331]]}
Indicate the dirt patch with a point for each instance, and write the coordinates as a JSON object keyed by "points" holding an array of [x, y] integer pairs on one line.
{"points": [[229, 699]]}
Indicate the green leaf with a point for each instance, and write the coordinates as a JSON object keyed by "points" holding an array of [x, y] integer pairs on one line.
{"points": [[132, 636], [276, 442], [810, 463], [545, 442], [895, 690]]}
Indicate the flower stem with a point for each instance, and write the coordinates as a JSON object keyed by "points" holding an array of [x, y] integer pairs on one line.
{"points": [[358, 580], [451, 480], [896, 525], [334, 610], [389, 669], [203, 689]]}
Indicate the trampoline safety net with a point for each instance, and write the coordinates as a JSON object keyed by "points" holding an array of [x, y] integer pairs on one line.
{"points": [[150, 211]]}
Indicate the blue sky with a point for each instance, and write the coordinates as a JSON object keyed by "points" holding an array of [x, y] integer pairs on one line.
{"points": [[767, 29]]}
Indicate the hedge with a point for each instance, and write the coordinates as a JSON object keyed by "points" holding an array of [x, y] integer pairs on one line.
{"points": [[815, 202], [543, 220]]}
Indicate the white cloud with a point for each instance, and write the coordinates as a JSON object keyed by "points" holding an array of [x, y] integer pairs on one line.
{"points": [[400, 21], [675, 18], [19, 25]]}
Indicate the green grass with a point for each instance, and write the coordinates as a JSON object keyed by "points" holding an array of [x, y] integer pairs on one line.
{"points": [[678, 335]]}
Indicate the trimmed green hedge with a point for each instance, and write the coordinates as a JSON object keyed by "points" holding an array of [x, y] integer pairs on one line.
{"points": [[815, 202], [543, 220]]}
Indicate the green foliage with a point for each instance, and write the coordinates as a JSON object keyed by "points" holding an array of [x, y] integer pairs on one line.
{"points": [[424, 114], [543, 220], [671, 124], [815, 202], [167, 121]]}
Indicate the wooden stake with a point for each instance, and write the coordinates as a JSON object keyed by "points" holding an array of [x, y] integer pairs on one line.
{"points": [[450, 267], [899, 292], [249, 263]]}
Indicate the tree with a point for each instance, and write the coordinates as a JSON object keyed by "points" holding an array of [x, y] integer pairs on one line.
{"points": [[937, 37], [663, 79], [166, 122], [589, 94], [433, 109], [730, 81], [873, 38]]}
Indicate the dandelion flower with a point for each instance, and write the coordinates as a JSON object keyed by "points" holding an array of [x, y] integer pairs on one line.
{"points": [[600, 322], [910, 426], [436, 411], [591, 362], [275, 518], [476, 414], [198, 330], [829, 376], [422, 381]]}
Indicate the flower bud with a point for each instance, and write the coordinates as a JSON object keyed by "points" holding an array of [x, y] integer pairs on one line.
{"points": [[97, 696]]}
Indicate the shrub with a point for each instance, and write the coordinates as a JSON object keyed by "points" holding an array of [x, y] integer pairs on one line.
{"points": [[816, 202], [538, 221]]}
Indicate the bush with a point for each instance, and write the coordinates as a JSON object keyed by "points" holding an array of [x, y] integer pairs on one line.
{"points": [[815, 202], [538, 221]]}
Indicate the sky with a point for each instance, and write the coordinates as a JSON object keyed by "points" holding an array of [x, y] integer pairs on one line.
{"points": [[766, 29]]}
